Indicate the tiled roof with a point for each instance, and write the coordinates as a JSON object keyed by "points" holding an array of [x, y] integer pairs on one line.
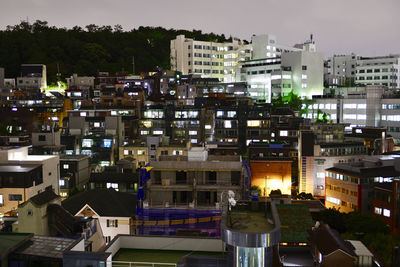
{"points": [[105, 202]]}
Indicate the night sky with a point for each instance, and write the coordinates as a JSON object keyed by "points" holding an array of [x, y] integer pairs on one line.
{"points": [[366, 27]]}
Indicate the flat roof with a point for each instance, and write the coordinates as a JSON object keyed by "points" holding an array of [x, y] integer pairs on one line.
{"points": [[161, 256], [19, 168], [295, 221]]}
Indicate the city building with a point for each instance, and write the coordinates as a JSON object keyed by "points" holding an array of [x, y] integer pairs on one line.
{"points": [[24, 176], [341, 70], [32, 214], [321, 147], [350, 70], [74, 173], [115, 211], [209, 59], [33, 77], [197, 181], [350, 186], [374, 106]]}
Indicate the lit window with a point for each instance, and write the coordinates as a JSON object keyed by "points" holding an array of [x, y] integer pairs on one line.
{"points": [[361, 106], [157, 132], [253, 123], [304, 76], [147, 124], [1, 200], [321, 174], [378, 211], [207, 127], [333, 200], [303, 85], [386, 212], [144, 132], [62, 182], [192, 132], [83, 114], [126, 152], [349, 106], [97, 124], [107, 143], [177, 152], [112, 185], [227, 124], [141, 152], [220, 113], [361, 117], [194, 141], [283, 133], [87, 143]]}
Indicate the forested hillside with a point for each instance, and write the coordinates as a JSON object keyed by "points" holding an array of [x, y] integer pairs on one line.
{"points": [[90, 49]]}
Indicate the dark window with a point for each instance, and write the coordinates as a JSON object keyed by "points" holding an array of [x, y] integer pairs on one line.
{"points": [[181, 177], [304, 67], [42, 138], [211, 178], [13, 197], [164, 152], [235, 178]]}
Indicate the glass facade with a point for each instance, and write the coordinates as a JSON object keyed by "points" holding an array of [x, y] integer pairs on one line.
{"points": [[250, 257]]}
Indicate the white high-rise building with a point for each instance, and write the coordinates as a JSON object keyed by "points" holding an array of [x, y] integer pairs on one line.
{"points": [[268, 69], [209, 59]]}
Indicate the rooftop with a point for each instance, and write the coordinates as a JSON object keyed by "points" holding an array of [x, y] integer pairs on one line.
{"points": [[295, 221], [8, 168], [160, 256], [250, 218]]}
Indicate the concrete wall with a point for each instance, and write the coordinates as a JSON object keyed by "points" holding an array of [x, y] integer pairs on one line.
{"points": [[35, 223], [51, 139], [80, 246]]}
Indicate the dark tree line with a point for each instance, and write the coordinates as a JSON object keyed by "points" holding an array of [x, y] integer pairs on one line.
{"points": [[88, 50]]}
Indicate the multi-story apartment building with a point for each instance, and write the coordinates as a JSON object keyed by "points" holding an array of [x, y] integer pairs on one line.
{"points": [[314, 158], [23, 176], [97, 133], [209, 59], [198, 181], [74, 173], [33, 77], [350, 186]]}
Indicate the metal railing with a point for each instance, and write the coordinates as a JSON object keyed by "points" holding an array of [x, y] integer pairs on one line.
{"points": [[140, 264]]}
